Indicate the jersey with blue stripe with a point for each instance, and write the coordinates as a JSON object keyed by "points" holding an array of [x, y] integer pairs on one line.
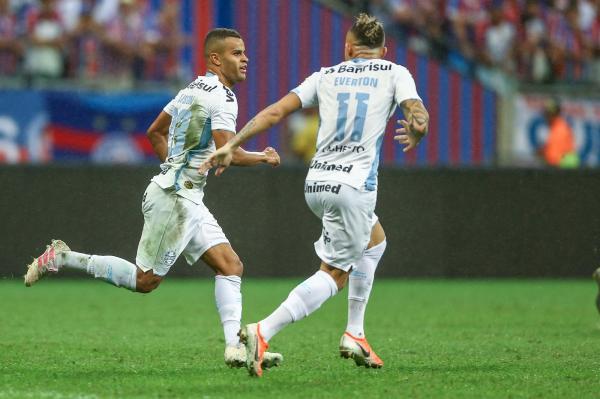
{"points": [[356, 98], [205, 105]]}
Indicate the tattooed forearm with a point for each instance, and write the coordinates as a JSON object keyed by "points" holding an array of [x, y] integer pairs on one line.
{"points": [[416, 115], [244, 134], [261, 122]]}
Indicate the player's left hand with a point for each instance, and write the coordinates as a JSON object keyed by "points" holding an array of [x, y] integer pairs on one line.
{"points": [[272, 157], [410, 134], [220, 159]]}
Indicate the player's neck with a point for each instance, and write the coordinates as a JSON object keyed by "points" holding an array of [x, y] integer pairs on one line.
{"points": [[365, 57], [220, 76]]}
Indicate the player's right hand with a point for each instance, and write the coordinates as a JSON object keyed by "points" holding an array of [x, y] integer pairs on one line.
{"points": [[409, 134], [220, 159], [272, 157]]}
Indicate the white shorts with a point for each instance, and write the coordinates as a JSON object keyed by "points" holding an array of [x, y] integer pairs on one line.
{"points": [[174, 225], [348, 216]]}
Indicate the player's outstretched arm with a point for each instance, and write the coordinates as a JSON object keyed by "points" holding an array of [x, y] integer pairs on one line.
{"points": [[265, 119], [416, 125], [157, 134], [241, 157]]}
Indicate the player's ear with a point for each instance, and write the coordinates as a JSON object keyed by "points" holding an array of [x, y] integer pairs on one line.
{"points": [[383, 52], [215, 59], [348, 50]]}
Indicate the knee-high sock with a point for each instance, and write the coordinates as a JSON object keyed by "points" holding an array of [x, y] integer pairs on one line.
{"points": [[360, 283], [228, 298], [111, 269], [302, 301]]}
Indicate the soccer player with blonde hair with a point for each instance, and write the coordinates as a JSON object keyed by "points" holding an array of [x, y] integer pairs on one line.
{"points": [[355, 98]]}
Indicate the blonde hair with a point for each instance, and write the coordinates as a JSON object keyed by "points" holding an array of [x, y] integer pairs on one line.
{"points": [[368, 31]]}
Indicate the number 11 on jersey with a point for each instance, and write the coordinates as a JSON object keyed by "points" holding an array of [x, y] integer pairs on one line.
{"points": [[358, 121]]}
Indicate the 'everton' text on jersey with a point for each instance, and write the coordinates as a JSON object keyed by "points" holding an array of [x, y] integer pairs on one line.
{"points": [[356, 99]]}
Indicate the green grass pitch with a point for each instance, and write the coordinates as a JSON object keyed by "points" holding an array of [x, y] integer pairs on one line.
{"points": [[438, 338]]}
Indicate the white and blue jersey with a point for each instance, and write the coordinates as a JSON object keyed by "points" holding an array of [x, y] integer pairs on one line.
{"points": [[205, 105], [356, 98]]}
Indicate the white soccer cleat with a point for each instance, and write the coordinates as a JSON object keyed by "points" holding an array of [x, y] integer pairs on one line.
{"points": [[256, 348], [235, 356], [46, 262], [360, 351]]}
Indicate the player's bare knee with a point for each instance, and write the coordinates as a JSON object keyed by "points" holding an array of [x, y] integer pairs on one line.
{"points": [[233, 267], [339, 276], [147, 282]]}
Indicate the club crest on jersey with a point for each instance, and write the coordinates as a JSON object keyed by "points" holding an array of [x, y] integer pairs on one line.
{"points": [[169, 258]]}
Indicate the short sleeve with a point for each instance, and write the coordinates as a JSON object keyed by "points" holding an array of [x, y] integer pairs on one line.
{"points": [[307, 91], [405, 88], [224, 113], [170, 107]]}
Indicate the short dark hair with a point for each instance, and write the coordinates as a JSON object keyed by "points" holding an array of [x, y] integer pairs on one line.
{"points": [[368, 31], [216, 35]]}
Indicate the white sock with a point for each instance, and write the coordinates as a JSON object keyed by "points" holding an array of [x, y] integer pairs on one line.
{"points": [[111, 269], [302, 301], [360, 283], [228, 298]]}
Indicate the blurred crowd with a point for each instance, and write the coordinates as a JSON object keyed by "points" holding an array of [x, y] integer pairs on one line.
{"points": [[537, 41], [531, 40], [115, 40]]}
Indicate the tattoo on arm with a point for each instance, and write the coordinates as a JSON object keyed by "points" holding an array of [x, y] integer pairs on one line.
{"points": [[244, 134], [415, 113]]}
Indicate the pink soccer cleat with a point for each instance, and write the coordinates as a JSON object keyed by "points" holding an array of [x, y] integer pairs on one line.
{"points": [[46, 262]]}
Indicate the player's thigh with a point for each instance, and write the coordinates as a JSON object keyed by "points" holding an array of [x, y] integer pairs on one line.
{"points": [[348, 220], [313, 198], [169, 221], [209, 237], [377, 233], [347, 223]]}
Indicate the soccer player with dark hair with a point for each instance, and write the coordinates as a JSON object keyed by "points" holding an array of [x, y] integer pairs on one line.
{"points": [[199, 119], [355, 99]]}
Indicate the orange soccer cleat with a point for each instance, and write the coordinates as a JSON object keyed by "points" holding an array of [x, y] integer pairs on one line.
{"points": [[256, 347], [359, 350]]}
